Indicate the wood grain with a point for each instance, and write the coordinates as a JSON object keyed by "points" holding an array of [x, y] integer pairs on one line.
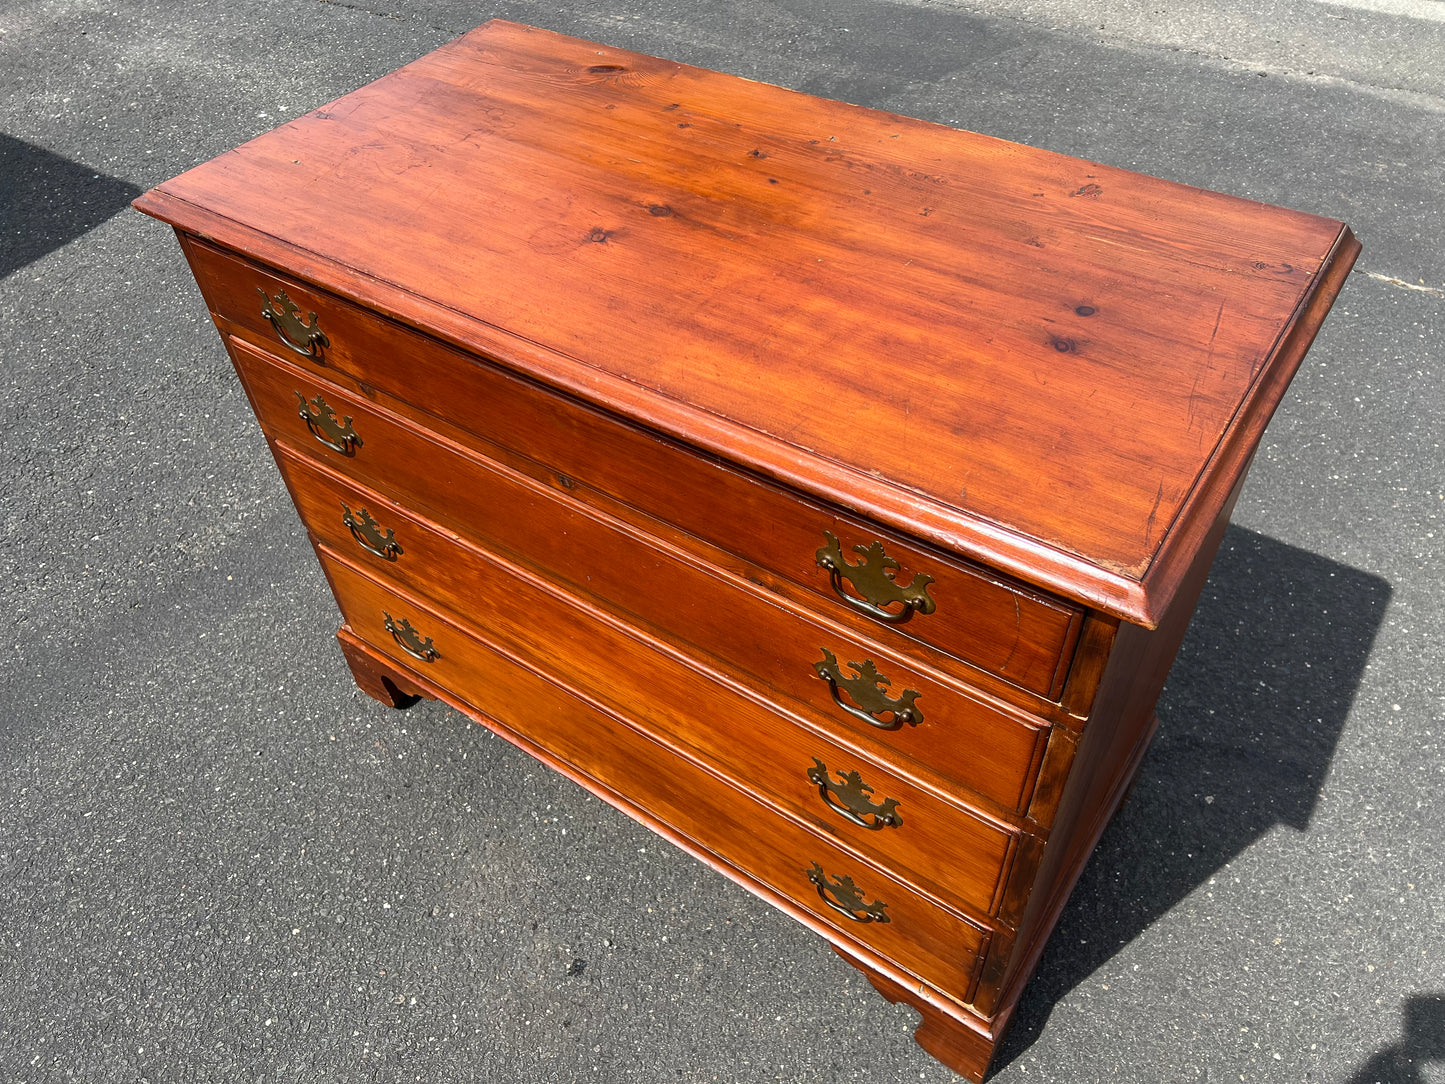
{"points": [[625, 338], [960, 746], [1029, 358], [1006, 629], [953, 1037], [920, 936], [963, 738], [1108, 755], [857, 953], [376, 679], [736, 736]]}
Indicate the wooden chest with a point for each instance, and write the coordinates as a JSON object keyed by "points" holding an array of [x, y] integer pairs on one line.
{"points": [[828, 490]]}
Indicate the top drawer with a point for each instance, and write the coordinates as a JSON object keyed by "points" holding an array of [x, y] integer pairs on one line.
{"points": [[871, 579]]}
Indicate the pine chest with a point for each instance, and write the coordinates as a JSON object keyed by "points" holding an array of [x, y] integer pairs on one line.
{"points": [[828, 490]]}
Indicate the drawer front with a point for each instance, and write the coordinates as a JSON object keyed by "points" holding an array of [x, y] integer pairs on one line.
{"points": [[790, 659], [968, 614], [923, 938], [894, 824]]}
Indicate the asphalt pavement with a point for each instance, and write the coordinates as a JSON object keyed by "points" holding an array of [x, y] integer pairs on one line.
{"points": [[219, 861]]}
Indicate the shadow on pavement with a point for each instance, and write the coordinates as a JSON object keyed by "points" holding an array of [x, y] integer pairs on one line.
{"points": [[1249, 721], [47, 201], [1424, 1042]]}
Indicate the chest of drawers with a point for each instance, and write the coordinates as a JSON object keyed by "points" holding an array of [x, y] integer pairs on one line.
{"points": [[826, 489]]}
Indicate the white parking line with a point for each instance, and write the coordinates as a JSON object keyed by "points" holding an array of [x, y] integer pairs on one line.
{"points": [[1430, 10]]}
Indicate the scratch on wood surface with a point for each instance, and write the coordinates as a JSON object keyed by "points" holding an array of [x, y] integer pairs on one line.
{"points": [[1018, 633], [1208, 365], [1153, 512]]}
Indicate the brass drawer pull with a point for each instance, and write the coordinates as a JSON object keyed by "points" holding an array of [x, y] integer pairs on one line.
{"points": [[306, 339], [873, 579], [321, 420], [865, 688], [409, 640], [367, 533], [843, 896], [849, 798]]}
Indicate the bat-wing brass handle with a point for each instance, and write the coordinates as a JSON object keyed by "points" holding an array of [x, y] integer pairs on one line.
{"points": [[872, 579], [367, 533], [320, 418], [866, 689], [409, 640], [849, 797], [306, 339], [841, 894]]}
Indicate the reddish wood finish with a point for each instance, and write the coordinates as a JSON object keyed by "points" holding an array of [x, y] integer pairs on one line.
{"points": [[624, 338], [603, 744], [378, 679], [961, 741], [952, 1035], [875, 967], [1108, 756], [1096, 641], [1006, 629], [732, 734], [812, 245]]}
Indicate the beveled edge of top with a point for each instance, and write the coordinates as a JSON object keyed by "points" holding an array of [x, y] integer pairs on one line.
{"points": [[1142, 600]]}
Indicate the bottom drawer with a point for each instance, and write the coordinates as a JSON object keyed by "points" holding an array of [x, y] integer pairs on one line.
{"points": [[932, 943]]}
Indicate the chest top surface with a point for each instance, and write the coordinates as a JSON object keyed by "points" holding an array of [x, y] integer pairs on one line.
{"points": [[1044, 363]]}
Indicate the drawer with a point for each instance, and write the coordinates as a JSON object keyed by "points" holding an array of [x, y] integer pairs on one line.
{"points": [[895, 825], [930, 941], [784, 655], [962, 611]]}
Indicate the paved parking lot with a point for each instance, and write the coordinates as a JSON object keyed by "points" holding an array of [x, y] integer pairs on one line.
{"points": [[219, 861]]}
